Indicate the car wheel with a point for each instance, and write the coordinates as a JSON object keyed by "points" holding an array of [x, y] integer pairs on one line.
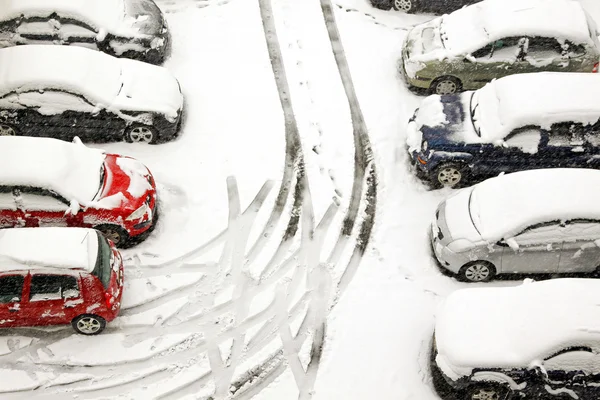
{"points": [[141, 134], [7, 130], [115, 233], [445, 85], [88, 324], [407, 6], [477, 271], [486, 392], [449, 175]]}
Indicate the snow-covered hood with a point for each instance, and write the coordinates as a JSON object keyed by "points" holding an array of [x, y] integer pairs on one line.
{"points": [[458, 218], [150, 88], [424, 42]]}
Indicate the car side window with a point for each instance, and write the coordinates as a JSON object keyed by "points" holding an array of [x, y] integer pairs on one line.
{"points": [[54, 102], [542, 51], [592, 134], [545, 233], [53, 287], [526, 139], [571, 49], [11, 288], [503, 50], [581, 230], [7, 199], [579, 358], [566, 134], [10, 101], [76, 29], [37, 29], [37, 199]]}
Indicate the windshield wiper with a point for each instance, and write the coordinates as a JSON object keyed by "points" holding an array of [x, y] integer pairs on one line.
{"points": [[472, 112]]}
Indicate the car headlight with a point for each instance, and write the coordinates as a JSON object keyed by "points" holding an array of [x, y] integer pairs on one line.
{"points": [[424, 145], [139, 213]]}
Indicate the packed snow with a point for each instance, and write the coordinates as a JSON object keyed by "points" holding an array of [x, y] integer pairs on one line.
{"points": [[526, 324], [68, 248], [378, 335]]}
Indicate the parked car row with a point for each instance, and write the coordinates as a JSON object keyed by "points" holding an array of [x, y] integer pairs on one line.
{"points": [[77, 70], [512, 118]]}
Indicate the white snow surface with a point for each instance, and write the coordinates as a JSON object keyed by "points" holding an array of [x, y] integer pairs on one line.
{"points": [[525, 323], [60, 248], [109, 15], [475, 26], [539, 99], [505, 205], [105, 81], [69, 169]]}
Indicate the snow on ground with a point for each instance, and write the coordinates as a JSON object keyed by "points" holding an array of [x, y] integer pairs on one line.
{"points": [[176, 324]]}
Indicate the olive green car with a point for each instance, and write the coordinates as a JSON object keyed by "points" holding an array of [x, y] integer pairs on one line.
{"points": [[468, 48]]}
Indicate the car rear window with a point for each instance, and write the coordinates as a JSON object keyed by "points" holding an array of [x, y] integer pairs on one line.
{"points": [[102, 268]]}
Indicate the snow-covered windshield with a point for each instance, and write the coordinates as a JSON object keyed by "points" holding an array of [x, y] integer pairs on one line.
{"points": [[462, 31]]}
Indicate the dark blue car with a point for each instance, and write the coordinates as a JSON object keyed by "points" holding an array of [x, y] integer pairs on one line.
{"points": [[524, 121], [413, 6]]}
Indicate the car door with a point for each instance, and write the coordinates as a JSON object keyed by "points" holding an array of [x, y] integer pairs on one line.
{"points": [[9, 212], [545, 54], [53, 298], [37, 31], [41, 207], [517, 152], [535, 250], [495, 60], [580, 253], [564, 146], [11, 297], [571, 369]]}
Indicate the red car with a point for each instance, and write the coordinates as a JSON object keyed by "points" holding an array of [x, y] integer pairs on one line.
{"points": [[54, 276], [49, 182]]}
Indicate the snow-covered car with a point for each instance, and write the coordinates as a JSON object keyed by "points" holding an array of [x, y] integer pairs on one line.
{"points": [[471, 46], [55, 276], [413, 6], [123, 28], [48, 182], [525, 121], [68, 91], [528, 222], [539, 340]]}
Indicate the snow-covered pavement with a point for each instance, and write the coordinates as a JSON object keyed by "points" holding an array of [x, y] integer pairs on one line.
{"points": [[266, 200]]}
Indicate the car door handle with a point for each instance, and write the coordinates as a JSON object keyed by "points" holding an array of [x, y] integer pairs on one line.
{"points": [[13, 309]]}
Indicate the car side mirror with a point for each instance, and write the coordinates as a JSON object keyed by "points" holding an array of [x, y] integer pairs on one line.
{"points": [[540, 372]]}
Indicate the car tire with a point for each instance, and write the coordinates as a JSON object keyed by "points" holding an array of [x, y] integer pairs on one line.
{"points": [[445, 85], [486, 392], [117, 234], [141, 134], [449, 175], [7, 129], [408, 6], [88, 324], [477, 271]]}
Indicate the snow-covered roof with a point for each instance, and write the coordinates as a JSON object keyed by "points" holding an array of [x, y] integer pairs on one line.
{"points": [[107, 14], [91, 73], [503, 206], [69, 169], [540, 99], [475, 26], [34, 248], [511, 327]]}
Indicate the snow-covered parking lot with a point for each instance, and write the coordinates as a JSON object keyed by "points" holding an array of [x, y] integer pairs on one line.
{"points": [[265, 276]]}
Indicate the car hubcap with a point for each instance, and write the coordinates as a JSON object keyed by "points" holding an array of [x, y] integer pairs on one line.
{"points": [[112, 235], [6, 130], [449, 176], [404, 5], [88, 325], [445, 87], [141, 134], [485, 394], [478, 273]]}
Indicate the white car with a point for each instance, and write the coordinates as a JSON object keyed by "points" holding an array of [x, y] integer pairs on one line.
{"points": [[536, 340], [528, 222], [68, 91], [124, 28]]}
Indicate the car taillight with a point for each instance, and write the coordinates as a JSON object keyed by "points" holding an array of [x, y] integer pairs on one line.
{"points": [[595, 69], [109, 300]]}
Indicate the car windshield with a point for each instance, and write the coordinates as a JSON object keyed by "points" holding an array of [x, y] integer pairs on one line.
{"points": [[473, 107], [103, 267]]}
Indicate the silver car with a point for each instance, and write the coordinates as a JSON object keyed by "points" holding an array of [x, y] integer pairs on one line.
{"points": [[537, 221]]}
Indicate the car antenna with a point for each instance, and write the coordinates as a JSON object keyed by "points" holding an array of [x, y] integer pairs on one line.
{"points": [[86, 235]]}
